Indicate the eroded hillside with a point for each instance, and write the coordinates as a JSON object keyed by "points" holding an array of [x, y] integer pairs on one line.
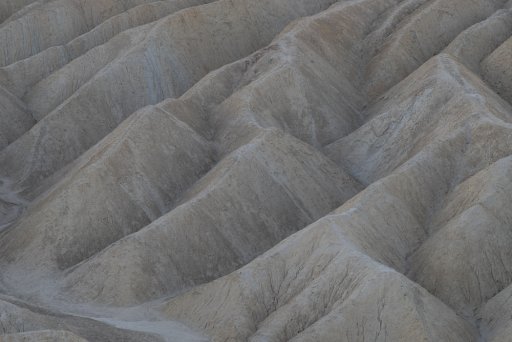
{"points": [[240, 170]]}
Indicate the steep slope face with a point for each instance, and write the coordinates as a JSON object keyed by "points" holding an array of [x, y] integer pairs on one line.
{"points": [[231, 170]]}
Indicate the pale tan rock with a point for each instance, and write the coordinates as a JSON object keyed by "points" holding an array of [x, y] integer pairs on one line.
{"points": [[497, 71], [15, 118], [481, 39], [251, 200], [42, 336], [238, 170]]}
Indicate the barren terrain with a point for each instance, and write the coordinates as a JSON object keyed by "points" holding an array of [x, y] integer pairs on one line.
{"points": [[256, 170]]}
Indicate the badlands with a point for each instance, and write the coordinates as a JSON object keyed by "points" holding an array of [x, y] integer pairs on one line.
{"points": [[256, 170]]}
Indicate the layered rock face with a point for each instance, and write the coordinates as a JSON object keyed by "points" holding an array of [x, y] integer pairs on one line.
{"points": [[240, 170]]}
